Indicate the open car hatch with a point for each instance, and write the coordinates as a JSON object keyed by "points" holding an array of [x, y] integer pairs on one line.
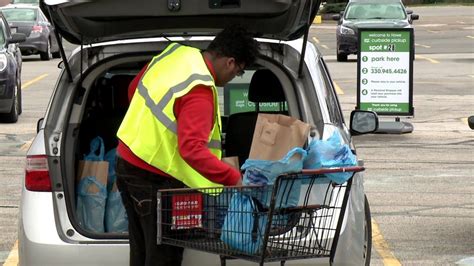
{"points": [[92, 21]]}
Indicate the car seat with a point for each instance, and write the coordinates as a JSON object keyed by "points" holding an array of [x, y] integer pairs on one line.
{"points": [[264, 87]]}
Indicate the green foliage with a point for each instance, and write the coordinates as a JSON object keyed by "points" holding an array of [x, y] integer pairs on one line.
{"points": [[333, 8]]}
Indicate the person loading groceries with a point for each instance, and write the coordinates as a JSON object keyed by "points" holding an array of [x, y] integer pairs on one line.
{"points": [[170, 135]]}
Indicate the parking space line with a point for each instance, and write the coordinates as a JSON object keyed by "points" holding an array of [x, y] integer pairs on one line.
{"points": [[12, 259], [315, 40], [381, 246], [422, 45], [470, 37], [472, 76], [433, 31], [325, 46], [27, 145], [338, 89], [427, 58], [27, 84]]}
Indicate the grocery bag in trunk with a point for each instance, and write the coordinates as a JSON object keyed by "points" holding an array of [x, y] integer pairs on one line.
{"points": [[91, 189]]}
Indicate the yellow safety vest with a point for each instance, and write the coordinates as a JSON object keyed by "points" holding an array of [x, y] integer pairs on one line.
{"points": [[149, 127]]}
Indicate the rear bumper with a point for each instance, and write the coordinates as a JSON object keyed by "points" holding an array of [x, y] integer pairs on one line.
{"points": [[34, 45], [40, 243], [347, 44]]}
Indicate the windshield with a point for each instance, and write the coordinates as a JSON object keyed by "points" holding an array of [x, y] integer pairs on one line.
{"points": [[20, 14], [375, 11]]}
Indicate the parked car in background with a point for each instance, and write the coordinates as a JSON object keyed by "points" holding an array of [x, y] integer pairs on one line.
{"points": [[32, 2], [368, 14], [30, 20], [10, 73], [90, 99]]}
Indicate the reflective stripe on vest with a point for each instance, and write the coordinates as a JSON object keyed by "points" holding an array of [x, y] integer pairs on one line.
{"points": [[149, 128]]}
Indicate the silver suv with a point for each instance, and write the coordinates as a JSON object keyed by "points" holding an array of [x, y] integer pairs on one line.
{"points": [[116, 39]]}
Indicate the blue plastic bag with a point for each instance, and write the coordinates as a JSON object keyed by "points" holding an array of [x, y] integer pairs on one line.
{"points": [[244, 224], [110, 157], [115, 215], [330, 153], [266, 172], [262, 172], [91, 205], [91, 190], [96, 152]]}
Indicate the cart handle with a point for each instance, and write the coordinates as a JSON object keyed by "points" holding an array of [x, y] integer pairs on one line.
{"points": [[320, 171]]}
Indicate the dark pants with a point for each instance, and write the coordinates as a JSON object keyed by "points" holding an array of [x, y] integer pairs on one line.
{"points": [[138, 190]]}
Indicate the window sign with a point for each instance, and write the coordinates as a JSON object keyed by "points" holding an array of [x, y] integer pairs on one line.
{"points": [[385, 71], [237, 101]]}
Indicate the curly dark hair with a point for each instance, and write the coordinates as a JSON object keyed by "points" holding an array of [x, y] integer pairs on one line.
{"points": [[235, 41]]}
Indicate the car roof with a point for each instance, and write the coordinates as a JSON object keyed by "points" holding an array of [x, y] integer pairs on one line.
{"points": [[92, 21]]}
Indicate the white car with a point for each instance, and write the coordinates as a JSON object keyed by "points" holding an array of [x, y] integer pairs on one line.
{"points": [[90, 98]]}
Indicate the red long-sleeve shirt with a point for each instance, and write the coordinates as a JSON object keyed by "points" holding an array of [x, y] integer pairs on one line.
{"points": [[194, 114]]}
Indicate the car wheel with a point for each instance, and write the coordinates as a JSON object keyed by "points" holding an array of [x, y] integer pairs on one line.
{"points": [[341, 57], [45, 56], [56, 54], [12, 116], [367, 232]]}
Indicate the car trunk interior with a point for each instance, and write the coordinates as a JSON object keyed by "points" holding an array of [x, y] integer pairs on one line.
{"points": [[103, 102]]}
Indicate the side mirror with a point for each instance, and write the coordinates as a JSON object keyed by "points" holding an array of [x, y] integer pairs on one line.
{"points": [[39, 124], [17, 38], [414, 17], [363, 122], [409, 12], [470, 121], [336, 17]]}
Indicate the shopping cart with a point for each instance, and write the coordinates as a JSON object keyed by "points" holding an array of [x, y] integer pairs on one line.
{"points": [[298, 217]]}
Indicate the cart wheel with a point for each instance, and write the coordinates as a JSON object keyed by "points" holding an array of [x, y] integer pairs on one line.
{"points": [[367, 232], [222, 260], [282, 263]]}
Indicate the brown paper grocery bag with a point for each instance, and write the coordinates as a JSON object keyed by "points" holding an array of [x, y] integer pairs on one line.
{"points": [[99, 169], [232, 161], [275, 135]]}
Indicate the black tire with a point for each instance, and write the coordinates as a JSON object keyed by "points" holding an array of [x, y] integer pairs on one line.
{"points": [[12, 116], [20, 98], [367, 232], [341, 57], [46, 56], [56, 54]]}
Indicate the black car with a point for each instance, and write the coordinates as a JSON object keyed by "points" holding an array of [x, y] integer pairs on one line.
{"points": [[10, 73], [368, 14], [30, 20]]}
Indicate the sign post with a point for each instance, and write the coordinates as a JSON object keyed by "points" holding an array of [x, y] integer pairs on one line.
{"points": [[385, 76]]}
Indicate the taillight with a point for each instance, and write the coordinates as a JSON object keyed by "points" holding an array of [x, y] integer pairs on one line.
{"points": [[37, 28], [37, 173]]}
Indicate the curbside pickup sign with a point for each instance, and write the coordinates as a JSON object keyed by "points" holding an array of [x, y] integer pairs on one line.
{"points": [[385, 71]]}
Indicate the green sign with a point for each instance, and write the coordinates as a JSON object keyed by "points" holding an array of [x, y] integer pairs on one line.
{"points": [[385, 71]]}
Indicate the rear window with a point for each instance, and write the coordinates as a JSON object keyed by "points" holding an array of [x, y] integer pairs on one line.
{"points": [[234, 97], [18, 15]]}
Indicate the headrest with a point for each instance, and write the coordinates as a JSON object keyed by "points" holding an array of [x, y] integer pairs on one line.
{"points": [[265, 87]]}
